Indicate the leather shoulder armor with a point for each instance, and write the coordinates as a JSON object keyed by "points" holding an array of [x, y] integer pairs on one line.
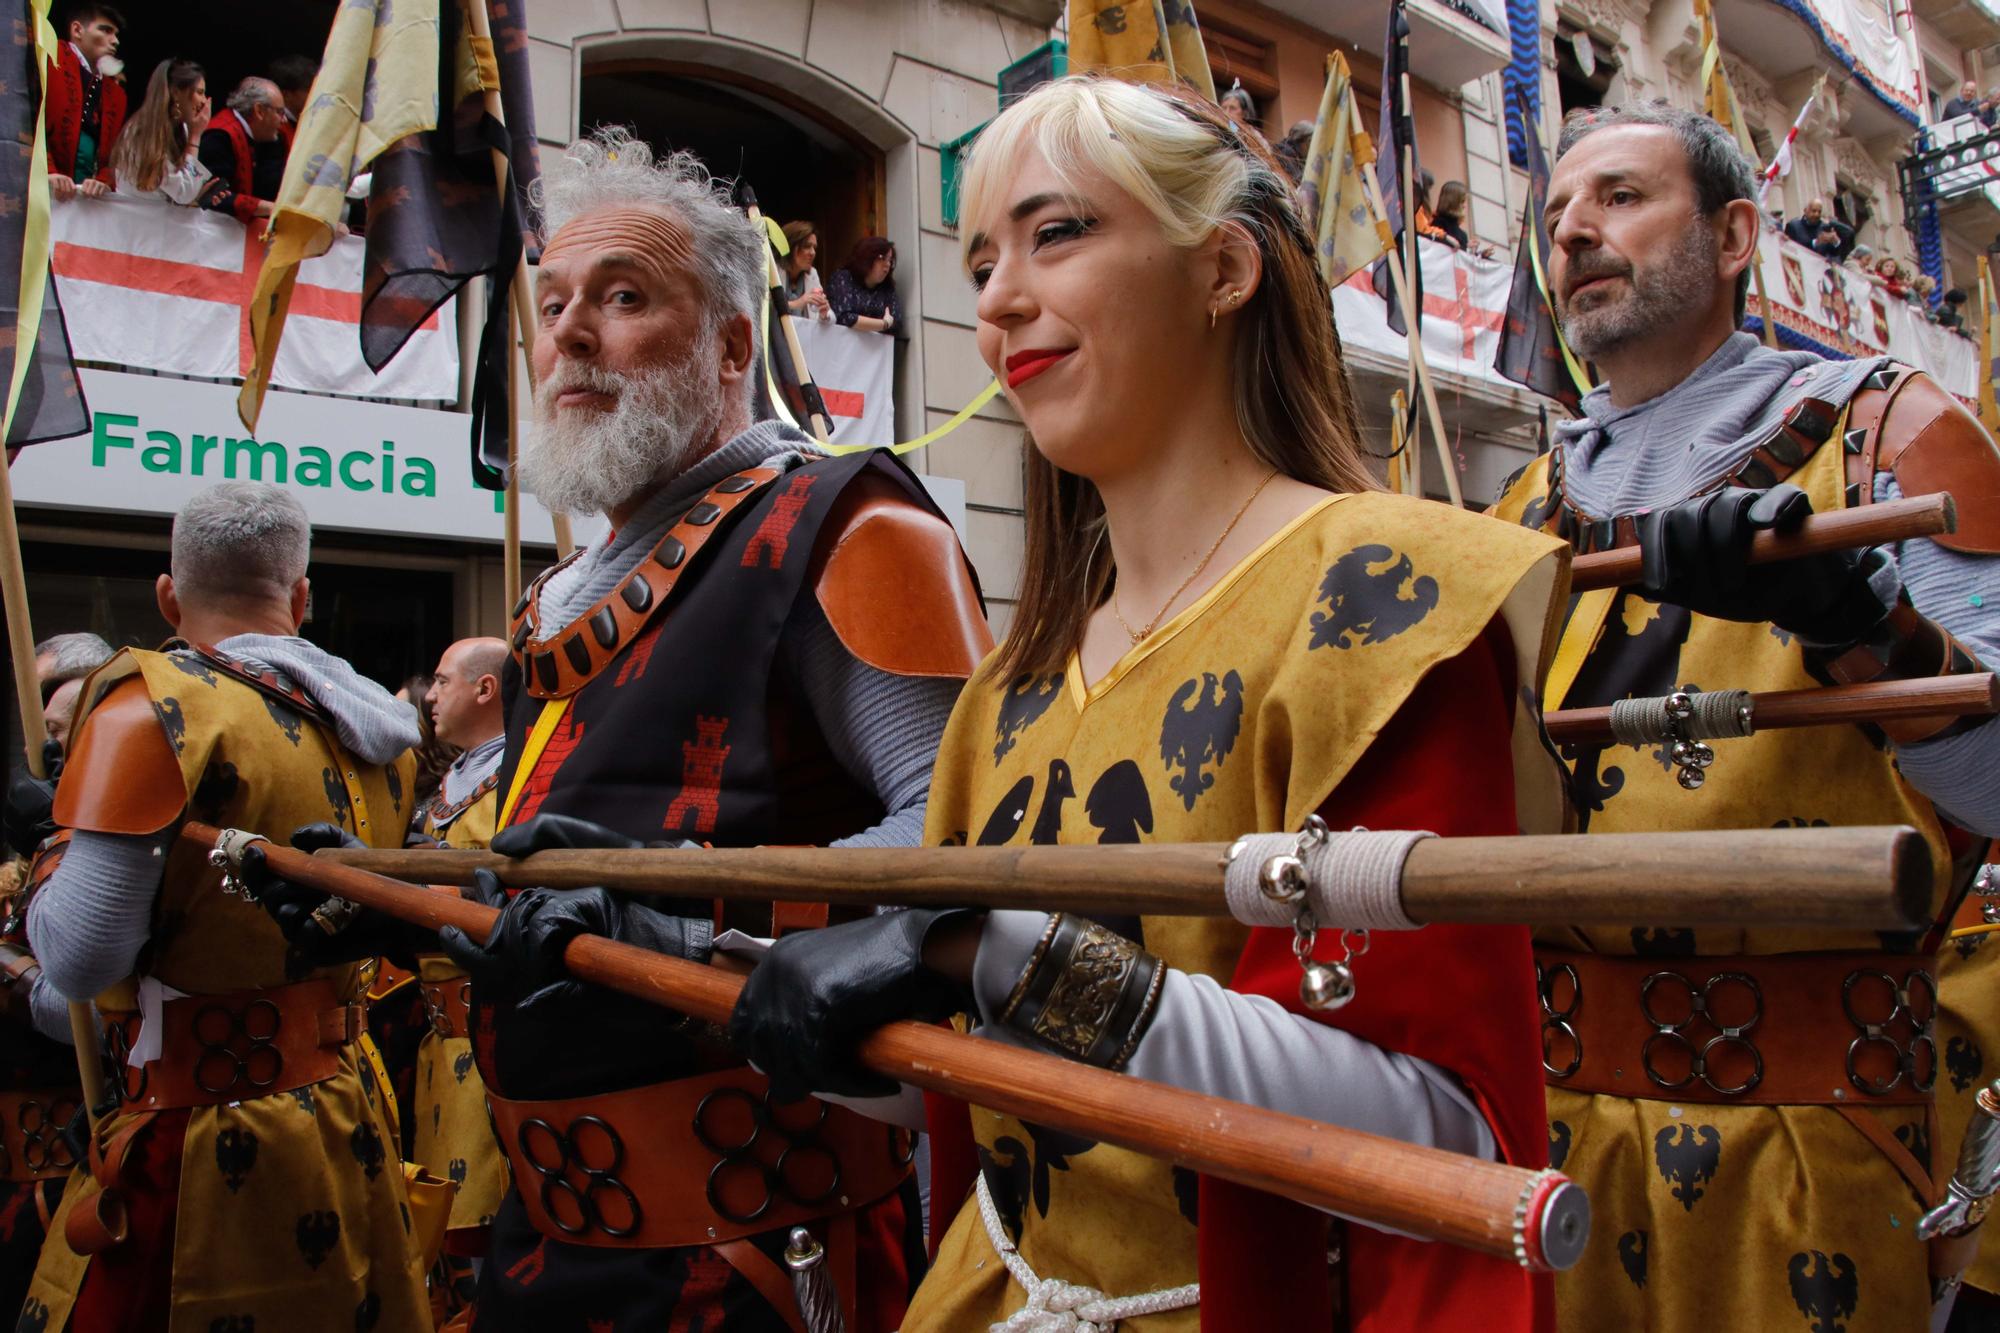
{"points": [[896, 586], [1931, 442], [122, 776]]}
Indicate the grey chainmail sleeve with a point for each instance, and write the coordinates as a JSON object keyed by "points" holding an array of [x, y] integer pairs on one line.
{"points": [[87, 924], [884, 729]]}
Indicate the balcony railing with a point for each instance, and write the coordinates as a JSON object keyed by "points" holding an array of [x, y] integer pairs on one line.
{"points": [[1959, 157], [1452, 42]]}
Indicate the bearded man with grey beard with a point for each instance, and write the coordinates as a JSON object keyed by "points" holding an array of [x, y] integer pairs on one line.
{"points": [[1753, 1112], [764, 648]]}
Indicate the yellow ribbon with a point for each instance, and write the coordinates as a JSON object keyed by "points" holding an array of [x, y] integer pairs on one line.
{"points": [[35, 237], [959, 418], [531, 753]]}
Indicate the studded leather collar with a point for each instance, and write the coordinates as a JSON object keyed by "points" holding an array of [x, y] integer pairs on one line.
{"points": [[1791, 442], [563, 663], [441, 813], [266, 681]]}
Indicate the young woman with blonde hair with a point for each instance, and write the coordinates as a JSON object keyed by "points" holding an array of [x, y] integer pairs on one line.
{"points": [[1224, 626]]}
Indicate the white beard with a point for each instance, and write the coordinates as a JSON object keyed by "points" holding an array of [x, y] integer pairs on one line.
{"points": [[583, 461]]}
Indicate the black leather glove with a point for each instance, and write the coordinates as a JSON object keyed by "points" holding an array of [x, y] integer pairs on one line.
{"points": [[361, 932], [1695, 556], [26, 815], [522, 954], [817, 993], [546, 833]]}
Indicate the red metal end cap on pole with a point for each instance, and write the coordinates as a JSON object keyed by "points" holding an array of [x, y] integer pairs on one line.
{"points": [[1551, 1223]]}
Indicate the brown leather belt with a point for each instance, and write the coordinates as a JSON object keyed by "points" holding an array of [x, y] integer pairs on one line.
{"points": [[227, 1048], [1825, 1029], [697, 1161], [31, 1126], [448, 1005]]}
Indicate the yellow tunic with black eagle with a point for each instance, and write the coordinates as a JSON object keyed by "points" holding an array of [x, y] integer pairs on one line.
{"points": [[454, 1135], [291, 1210], [1708, 1215], [1271, 686]]}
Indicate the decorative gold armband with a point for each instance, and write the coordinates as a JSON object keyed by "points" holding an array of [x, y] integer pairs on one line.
{"points": [[1086, 992]]}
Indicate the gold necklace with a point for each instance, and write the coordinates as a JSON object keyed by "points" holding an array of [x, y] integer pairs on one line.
{"points": [[1151, 625]]}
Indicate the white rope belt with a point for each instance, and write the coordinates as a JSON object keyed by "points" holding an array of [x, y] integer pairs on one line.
{"points": [[1056, 1306]]}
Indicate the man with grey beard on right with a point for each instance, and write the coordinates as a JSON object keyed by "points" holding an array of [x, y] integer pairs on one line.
{"points": [[1760, 1117], [764, 648]]}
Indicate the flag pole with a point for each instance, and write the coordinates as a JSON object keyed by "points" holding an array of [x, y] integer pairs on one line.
{"points": [[1372, 190], [1757, 280]]}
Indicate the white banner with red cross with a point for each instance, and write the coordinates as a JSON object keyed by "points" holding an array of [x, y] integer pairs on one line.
{"points": [[152, 286], [856, 374], [1465, 300]]}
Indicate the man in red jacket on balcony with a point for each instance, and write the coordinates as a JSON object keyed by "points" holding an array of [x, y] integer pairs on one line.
{"points": [[86, 102], [245, 146]]}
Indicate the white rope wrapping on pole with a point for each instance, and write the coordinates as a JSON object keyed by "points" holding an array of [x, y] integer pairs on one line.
{"points": [[1713, 715], [1349, 881], [1055, 1306]]}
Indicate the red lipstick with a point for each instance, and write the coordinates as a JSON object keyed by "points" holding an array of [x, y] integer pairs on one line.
{"points": [[1024, 366]]}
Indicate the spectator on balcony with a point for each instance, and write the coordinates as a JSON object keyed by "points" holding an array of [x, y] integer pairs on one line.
{"points": [[86, 102], [294, 76], [1862, 260], [805, 295], [1293, 148], [1890, 277], [1951, 314], [862, 293], [1970, 103], [244, 147], [1241, 107], [154, 154], [1820, 232]]}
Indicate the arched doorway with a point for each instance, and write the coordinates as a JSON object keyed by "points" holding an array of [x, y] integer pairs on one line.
{"points": [[802, 163]]}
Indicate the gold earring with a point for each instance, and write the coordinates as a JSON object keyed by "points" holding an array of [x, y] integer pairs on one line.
{"points": [[1212, 312], [1234, 297]]}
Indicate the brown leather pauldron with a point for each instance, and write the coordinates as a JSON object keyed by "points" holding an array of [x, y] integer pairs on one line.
{"points": [[226, 1048], [696, 1161], [1830, 1029]]}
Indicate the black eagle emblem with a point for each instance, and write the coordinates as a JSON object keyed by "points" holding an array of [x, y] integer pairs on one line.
{"points": [[1110, 20], [461, 1065], [1370, 605], [1963, 1061], [1024, 700], [366, 1145], [395, 781], [168, 710], [1060, 790], [1918, 1140], [1200, 726], [1662, 942], [317, 1233], [216, 789], [456, 1170], [1826, 1291], [235, 1154], [304, 1097], [1119, 804], [336, 795], [288, 722], [192, 665], [1025, 1172], [1559, 1137], [1007, 815], [1688, 1159], [1632, 1257], [34, 1317]]}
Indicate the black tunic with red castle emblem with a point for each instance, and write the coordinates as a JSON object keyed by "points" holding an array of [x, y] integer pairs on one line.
{"points": [[695, 729]]}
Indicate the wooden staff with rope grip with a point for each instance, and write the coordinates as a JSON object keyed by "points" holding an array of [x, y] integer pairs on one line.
{"points": [[1839, 878], [1845, 529], [1539, 1219], [1976, 694]]}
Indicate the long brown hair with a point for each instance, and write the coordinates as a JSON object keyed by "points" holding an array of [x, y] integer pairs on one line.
{"points": [[153, 139], [1194, 171]]}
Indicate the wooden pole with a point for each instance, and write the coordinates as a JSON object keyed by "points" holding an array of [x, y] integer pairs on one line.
{"points": [[28, 693], [1417, 297], [1974, 695], [1869, 525], [1763, 300], [1846, 878], [1465, 1201], [482, 32]]}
